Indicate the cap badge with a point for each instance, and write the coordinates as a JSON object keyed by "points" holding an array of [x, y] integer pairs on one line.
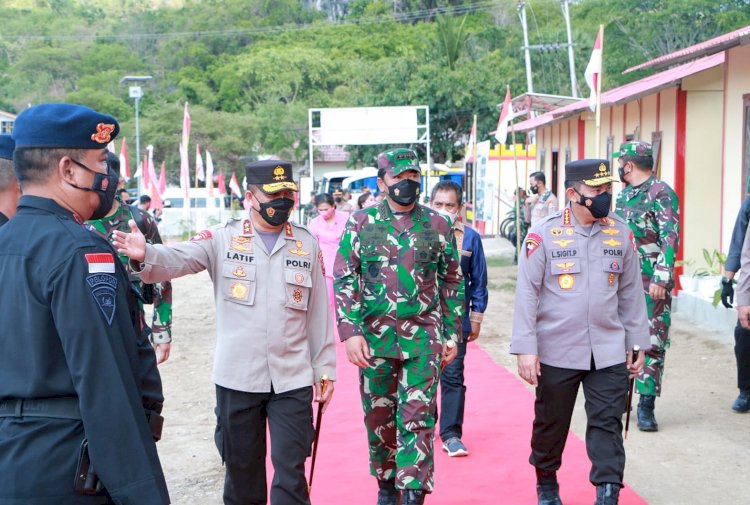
{"points": [[602, 170], [279, 173], [103, 133]]}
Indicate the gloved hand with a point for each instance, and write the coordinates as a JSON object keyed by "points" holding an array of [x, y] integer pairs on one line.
{"points": [[727, 292]]}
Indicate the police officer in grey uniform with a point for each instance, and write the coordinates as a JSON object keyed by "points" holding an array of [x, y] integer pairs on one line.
{"points": [[274, 332], [579, 311]]}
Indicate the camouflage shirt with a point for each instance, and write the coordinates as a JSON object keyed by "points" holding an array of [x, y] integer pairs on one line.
{"points": [[399, 282], [160, 295], [652, 210]]}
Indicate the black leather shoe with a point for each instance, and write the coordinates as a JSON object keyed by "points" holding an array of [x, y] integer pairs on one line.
{"points": [[608, 494], [548, 493], [413, 497], [742, 403], [646, 419], [387, 493]]}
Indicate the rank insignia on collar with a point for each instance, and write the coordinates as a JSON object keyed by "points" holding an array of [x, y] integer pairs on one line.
{"points": [[556, 232], [566, 217], [239, 272], [288, 230], [610, 231], [533, 241], [563, 242], [100, 263], [608, 221], [298, 249], [247, 227], [566, 281], [612, 242], [241, 243], [104, 289], [203, 235], [239, 291]]}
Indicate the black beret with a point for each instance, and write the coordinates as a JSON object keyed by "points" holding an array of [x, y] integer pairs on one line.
{"points": [[61, 125], [6, 146]]}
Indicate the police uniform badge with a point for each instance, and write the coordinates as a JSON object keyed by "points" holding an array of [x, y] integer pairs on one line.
{"points": [[102, 283], [203, 235], [241, 243], [533, 241], [238, 291], [566, 281], [298, 249]]}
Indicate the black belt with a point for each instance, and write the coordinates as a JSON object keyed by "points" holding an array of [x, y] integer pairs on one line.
{"points": [[61, 408]]}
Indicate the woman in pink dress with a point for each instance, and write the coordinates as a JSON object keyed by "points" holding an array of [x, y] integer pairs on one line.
{"points": [[328, 228]]}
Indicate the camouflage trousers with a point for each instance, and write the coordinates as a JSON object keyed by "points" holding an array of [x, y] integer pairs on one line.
{"points": [[649, 380], [398, 398]]}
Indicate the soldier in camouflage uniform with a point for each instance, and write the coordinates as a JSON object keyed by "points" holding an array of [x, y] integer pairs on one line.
{"points": [[652, 211], [160, 295], [399, 299]]}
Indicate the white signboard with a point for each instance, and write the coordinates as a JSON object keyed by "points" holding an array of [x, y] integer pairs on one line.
{"points": [[486, 183], [369, 125]]}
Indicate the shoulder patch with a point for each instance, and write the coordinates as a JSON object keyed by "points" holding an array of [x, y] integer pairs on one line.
{"points": [[632, 242], [203, 235], [533, 241], [100, 263], [104, 290]]}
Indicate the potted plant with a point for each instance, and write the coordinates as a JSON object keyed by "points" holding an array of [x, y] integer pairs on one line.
{"points": [[688, 281], [709, 284]]}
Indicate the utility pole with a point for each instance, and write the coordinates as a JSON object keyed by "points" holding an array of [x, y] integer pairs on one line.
{"points": [[521, 8], [565, 5]]}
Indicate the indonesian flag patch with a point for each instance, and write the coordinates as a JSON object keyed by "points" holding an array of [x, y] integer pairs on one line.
{"points": [[101, 263], [533, 241]]}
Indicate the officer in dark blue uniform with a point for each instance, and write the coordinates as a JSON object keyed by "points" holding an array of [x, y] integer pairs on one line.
{"points": [[78, 386], [10, 192]]}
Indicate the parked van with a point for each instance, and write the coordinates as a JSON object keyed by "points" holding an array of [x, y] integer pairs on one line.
{"points": [[179, 221]]}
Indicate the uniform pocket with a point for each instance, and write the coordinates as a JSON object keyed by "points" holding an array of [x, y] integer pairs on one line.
{"points": [[567, 272], [238, 283], [612, 268], [426, 256], [297, 284]]}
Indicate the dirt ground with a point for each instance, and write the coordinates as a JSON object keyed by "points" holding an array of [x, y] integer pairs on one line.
{"points": [[699, 456]]}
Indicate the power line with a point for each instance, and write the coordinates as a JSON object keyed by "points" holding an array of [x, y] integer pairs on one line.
{"points": [[406, 17]]}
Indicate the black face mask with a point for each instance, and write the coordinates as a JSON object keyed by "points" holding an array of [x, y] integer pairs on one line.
{"points": [[404, 192], [277, 211], [534, 189], [598, 205], [621, 173], [104, 185]]}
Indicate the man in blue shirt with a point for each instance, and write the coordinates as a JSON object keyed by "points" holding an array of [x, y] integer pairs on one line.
{"points": [[447, 199], [741, 335]]}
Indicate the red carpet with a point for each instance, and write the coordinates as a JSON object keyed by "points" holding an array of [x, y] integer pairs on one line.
{"points": [[497, 431]]}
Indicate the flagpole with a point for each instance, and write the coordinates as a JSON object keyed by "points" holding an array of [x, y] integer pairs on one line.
{"points": [[518, 193], [599, 97], [474, 174]]}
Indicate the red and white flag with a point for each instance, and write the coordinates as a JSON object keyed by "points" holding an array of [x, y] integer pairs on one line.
{"points": [[100, 263], [222, 184], [234, 186], [469, 156], [186, 127], [199, 173], [184, 175], [143, 172], [124, 163], [209, 175], [162, 179], [506, 116], [593, 71], [153, 180]]}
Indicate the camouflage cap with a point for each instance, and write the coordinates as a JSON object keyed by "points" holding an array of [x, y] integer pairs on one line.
{"points": [[634, 148], [590, 172], [400, 160]]}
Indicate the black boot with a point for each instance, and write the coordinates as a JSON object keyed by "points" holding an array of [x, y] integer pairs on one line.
{"points": [[547, 489], [413, 497], [387, 492], [608, 494], [742, 403], [646, 419]]}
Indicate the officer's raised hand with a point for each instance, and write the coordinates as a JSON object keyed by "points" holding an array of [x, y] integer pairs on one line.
{"points": [[132, 244]]}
